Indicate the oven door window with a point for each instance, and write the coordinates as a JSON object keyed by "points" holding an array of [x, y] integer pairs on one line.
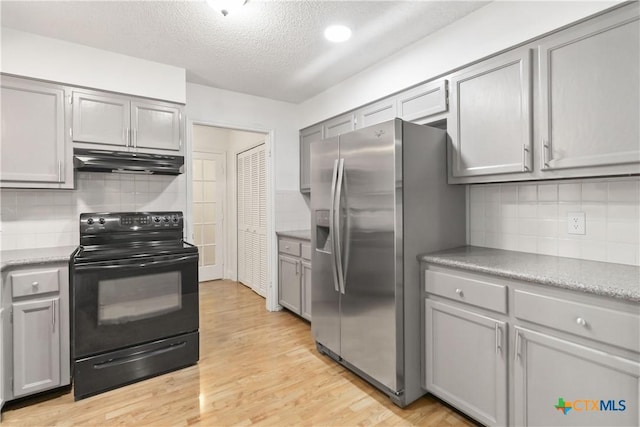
{"points": [[116, 305], [131, 299]]}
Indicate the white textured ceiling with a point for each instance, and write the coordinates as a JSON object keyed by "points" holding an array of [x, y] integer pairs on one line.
{"points": [[273, 49]]}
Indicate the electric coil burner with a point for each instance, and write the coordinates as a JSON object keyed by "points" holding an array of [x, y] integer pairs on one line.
{"points": [[134, 285]]}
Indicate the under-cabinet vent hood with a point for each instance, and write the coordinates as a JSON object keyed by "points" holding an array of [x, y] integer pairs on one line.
{"points": [[124, 162]]}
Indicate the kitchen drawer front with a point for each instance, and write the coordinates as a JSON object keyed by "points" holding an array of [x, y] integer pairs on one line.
{"points": [[470, 291], [35, 282], [289, 247], [306, 251], [600, 324]]}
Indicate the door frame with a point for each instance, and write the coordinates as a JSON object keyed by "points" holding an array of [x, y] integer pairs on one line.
{"points": [[272, 288]]}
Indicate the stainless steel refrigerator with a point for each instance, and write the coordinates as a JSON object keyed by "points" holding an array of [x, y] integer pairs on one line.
{"points": [[379, 197]]}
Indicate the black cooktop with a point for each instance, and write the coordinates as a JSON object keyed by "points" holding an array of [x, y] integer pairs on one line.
{"points": [[131, 250]]}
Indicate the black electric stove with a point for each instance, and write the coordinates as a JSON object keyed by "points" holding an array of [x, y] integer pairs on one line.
{"points": [[134, 282]]}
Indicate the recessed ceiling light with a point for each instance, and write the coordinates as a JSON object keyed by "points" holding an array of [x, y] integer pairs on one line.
{"points": [[337, 33]]}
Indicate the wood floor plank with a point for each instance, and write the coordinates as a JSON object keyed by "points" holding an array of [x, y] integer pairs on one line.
{"points": [[256, 368]]}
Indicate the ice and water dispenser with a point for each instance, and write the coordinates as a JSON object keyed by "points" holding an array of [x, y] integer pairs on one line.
{"points": [[323, 237]]}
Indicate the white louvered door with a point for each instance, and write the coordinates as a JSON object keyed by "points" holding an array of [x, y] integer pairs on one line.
{"points": [[252, 219]]}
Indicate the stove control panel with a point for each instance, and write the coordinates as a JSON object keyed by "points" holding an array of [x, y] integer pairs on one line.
{"points": [[100, 223]]}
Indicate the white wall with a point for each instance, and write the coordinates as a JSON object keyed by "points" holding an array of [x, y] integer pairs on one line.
{"points": [[30, 55], [495, 27]]}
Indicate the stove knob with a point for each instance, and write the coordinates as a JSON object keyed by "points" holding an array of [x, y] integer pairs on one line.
{"points": [[166, 219], [156, 219], [175, 219], [90, 221], [101, 221]]}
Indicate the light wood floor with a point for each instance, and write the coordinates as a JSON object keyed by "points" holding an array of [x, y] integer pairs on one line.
{"points": [[255, 367]]}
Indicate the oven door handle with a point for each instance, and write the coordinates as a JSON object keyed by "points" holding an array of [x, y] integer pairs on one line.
{"points": [[119, 265]]}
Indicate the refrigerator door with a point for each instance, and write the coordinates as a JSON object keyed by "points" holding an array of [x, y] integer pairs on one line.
{"points": [[370, 209], [325, 297]]}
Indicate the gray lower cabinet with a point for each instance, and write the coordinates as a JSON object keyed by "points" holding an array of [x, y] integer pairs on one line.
{"points": [[294, 275], [590, 96], [506, 352], [36, 346], [289, 283], [466, 361], [132, 124], [553, 375], [1, 360], [35, 152]]}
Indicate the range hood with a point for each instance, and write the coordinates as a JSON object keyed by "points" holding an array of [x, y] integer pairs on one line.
{"points": [[125, 162]]}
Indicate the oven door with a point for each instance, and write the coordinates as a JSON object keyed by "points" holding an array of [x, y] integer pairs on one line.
{"points": [[121, 303]]}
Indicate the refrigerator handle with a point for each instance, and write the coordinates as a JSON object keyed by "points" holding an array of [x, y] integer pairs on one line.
{"points": [[332, 225], [336, 213]]}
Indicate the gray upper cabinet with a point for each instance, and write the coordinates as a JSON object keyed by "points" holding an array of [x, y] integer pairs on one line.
{"points": [[490, 122], [307, 136], [590, 95], [422, 101], [377, 112], [101, 119], [342, 124], [156, 126], [127, 123], [35, 153]]}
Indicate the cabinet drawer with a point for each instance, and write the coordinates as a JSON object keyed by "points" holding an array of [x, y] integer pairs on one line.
{"points": [[471, 291], [289, 247], [306, 251], [601, 324], [35, 282]]}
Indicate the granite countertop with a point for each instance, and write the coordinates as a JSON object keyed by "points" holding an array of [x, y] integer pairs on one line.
{"points": [[20, 257], [296, 234], [600, 278]]}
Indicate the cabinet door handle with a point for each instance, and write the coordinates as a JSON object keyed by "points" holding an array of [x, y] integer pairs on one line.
{"points": [[135, 138], [297, 264], [517, 346], [53, 316], [525, 159], [546, 152], [498, 339], [59, 170], [127, 137]]}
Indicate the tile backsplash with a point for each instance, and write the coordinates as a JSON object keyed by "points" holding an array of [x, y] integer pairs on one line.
{"points": [[46, 218], [532, 217]]}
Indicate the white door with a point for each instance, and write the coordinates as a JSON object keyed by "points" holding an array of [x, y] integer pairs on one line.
{"points": [[252, 219], [209, 185]]}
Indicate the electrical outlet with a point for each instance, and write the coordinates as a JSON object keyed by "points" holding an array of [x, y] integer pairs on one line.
{"points": [[575, 223]]}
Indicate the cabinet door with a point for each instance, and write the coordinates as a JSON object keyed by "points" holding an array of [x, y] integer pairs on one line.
{"points": [[307, 136], [590, 94], [423, 101], [376, 113], [553, 374], [33, 137], [490, 126], [101, 119], [339, 125], [1, 359], [466, 361], [156, 126], [289, 283], [36, 346], [306, 290]]}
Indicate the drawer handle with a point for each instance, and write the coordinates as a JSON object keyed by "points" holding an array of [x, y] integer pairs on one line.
{"points": [[286, 246], [35, 284], [580, 321], [459, 292]]}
